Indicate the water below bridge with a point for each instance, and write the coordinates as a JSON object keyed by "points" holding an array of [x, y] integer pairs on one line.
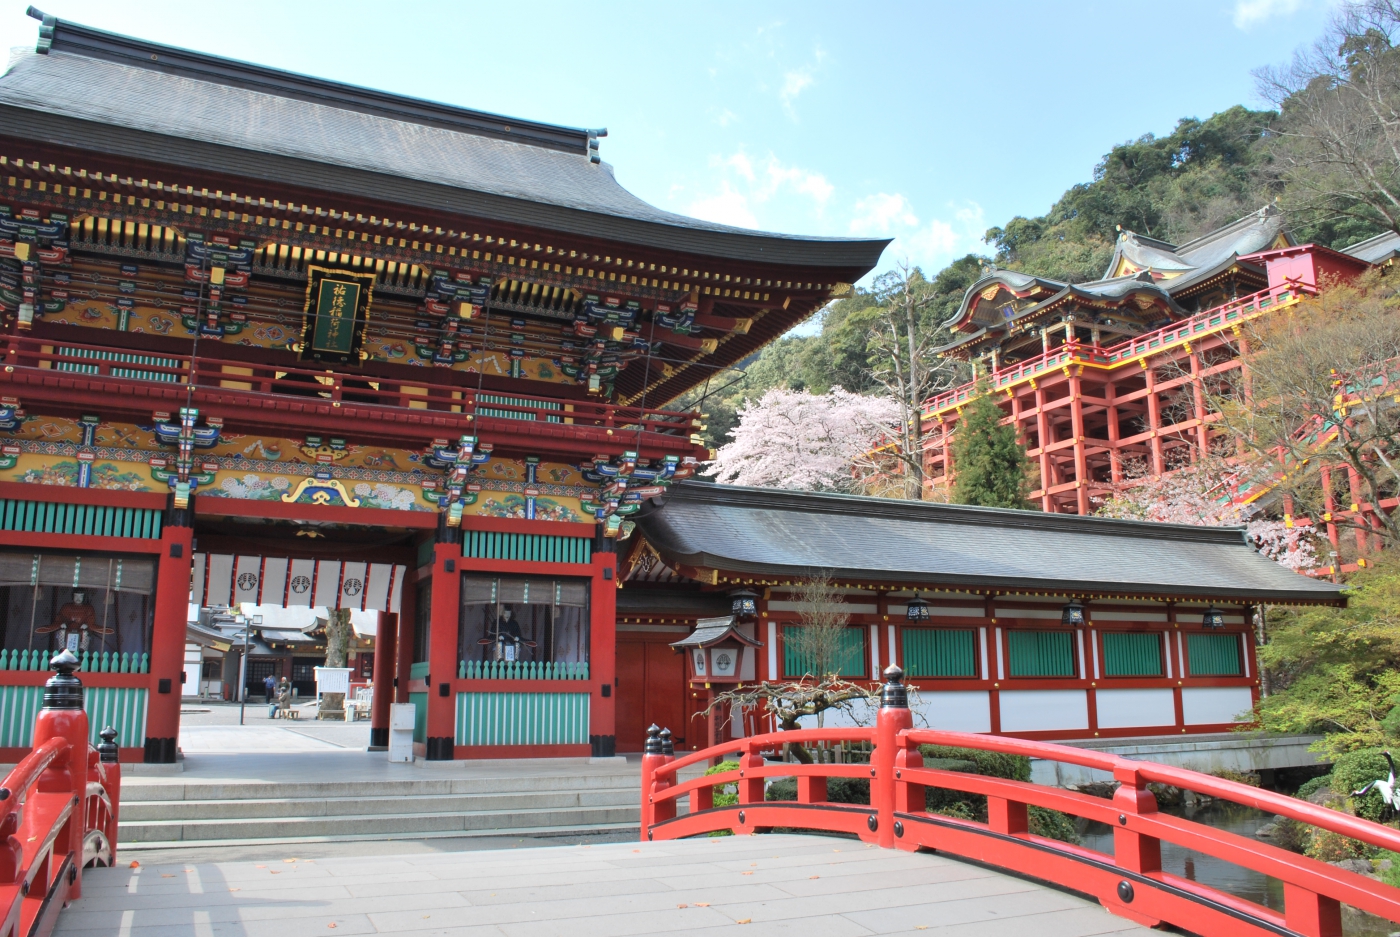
{"points": [[813, 886]]}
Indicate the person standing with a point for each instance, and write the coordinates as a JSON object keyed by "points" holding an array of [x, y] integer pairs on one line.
{"points": [[269, 687]]}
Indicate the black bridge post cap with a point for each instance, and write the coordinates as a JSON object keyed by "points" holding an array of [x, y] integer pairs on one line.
{"points": [[668, 747], [108, 750], [63, 690], [894, 695], [653, 746]]}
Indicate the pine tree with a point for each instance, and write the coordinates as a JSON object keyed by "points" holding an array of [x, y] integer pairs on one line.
{"points": [[989, 465]]}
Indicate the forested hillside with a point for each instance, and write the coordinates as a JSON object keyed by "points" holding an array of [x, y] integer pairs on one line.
{"points": [[1202, 175]]}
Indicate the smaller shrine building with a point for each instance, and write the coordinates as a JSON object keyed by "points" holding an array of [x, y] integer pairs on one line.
{"points": [[1011, 622]]}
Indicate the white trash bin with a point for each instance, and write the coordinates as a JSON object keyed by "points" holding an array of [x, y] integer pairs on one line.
{"points": [[402, 716]]}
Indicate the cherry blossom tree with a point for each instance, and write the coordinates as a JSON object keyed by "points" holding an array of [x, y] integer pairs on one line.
{"points": [[805, 441], [1201, 494]]}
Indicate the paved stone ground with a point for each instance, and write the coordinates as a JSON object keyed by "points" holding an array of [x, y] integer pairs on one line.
{"points": [[212, 727], [815, 886]]}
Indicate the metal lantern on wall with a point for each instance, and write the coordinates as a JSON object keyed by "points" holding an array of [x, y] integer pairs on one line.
{"points": [[744, 604], [917, 609], [1213, 618], [1072, 615], [715, 650]]}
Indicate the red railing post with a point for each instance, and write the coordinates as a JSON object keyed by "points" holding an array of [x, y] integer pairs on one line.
{"points": [[1134, 851], [63, 718], [894, 717], [1311, 914], [651, 760], [751, 789], [109, 774]]}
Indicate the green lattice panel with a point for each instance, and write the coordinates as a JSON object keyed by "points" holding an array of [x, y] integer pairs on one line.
{"points": [[850, 657], [122, 708], [940, 652], [1213, 655], [1041, 653], [529, 548], [91, 520], [522, 718], [1131, 654]]}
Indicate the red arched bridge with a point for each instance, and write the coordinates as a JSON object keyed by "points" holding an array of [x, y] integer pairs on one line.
{"points": [[1129, 882], [58, 810]]}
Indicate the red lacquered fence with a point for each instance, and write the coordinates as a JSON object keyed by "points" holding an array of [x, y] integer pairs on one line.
{"points": [[58, 810], [1129, 882]]}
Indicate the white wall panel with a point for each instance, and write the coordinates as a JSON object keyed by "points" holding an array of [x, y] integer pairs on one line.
{"points": [[1044, 710], [1205, 705], [954, 710], [1126, 709]]}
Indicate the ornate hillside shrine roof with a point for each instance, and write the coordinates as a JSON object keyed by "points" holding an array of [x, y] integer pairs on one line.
{"points": [[723, 533], [1148, 283]]}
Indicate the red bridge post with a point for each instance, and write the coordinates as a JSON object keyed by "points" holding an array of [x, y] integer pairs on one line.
{"points": [[63, 717], [894, 717]]}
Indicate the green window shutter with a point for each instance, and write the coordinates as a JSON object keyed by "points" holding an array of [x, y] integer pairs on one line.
{"points": [[1213, 655], [528, 548], [92, 520], [940, 652], [1131, 654], [850, 655], [1041, 653]]}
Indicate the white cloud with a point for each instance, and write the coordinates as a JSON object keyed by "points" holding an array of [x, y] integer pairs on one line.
{"points": [[794, 83], [725, 207], [726, 117], [930, 245], [745, 182], [1251, 13], [879, 213]]}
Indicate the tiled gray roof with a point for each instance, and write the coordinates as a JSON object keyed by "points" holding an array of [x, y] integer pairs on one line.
{"points": [[45, 95], [1375, 249], [791, 533]]}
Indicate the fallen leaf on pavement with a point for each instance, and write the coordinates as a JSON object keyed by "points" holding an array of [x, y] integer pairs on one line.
{"points": [[744, 920], [747, 873], [163, 875], [702, 904], [135, 864], [235, 889], [682, 905], [814, 876]]}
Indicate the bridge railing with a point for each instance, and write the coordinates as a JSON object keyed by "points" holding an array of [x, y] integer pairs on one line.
{"points": [[1129, 881], [58, 810]]}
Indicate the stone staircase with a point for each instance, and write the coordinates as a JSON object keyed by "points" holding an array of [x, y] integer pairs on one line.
{"points": [[428, 803]]}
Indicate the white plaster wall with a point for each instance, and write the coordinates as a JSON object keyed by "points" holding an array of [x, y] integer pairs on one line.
{"points": [[1125, 709], [1043, 710], [1214, 704], [954, 710]]}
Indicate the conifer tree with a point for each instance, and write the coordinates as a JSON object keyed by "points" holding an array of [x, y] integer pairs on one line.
{"points": [[989, 465]]}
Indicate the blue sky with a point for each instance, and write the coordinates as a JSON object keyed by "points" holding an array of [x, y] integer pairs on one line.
{"points": [[928, 122]]}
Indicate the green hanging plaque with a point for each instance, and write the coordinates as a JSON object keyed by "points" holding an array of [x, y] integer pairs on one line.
{"points": [[336, 315]]}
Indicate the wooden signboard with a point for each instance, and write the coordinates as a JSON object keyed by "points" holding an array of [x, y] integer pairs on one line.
{"points": [[336, 315]]}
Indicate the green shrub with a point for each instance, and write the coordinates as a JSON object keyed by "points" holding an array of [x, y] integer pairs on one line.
{"points": [[1326, 846], [991, 764], [1043, 822], [1391, 876], [1355, 770], [723, 795], [1052, 824], [1314, 785], [838, 790], [1239, 777]]}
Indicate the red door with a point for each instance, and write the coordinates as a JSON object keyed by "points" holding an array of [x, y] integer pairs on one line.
{"points": [[650, 690], [631, 696]]}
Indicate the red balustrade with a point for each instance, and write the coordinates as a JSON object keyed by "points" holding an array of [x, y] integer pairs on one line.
{"points": [[1129, 881], [1075, 352], [58, 811], [258, 379]]}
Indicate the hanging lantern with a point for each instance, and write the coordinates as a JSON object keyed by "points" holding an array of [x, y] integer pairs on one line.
{"points": [[917, 610], [1072, 614], [1213, 618], [744, 604]]}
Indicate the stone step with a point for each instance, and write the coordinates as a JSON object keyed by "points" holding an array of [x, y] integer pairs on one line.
{"points": [[272, 807], [388, 826], [172, 789]]}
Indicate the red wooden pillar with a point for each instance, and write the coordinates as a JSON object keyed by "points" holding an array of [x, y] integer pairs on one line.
{"points": [[1042, 431], [1154, 421], [408, 618], [602, 666], [172, 601], [386, 641], [442, 651], [1081, 466]]}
